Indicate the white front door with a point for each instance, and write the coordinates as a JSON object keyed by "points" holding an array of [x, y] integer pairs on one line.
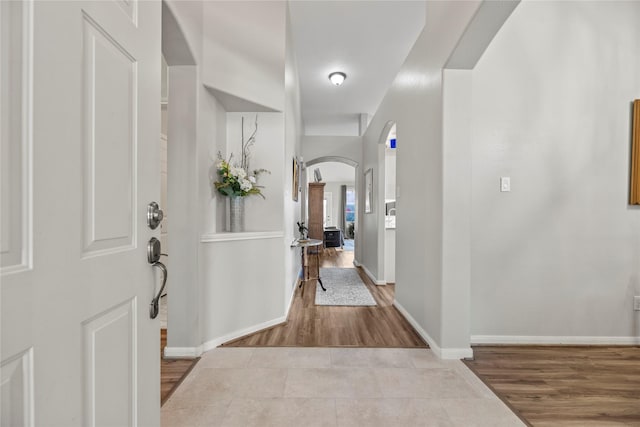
{"points": [[79, 119]]}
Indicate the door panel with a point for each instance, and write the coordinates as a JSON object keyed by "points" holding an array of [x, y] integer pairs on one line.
{"points": [[109, 341], [110, 77], [78, 347], [17, 390], [15, 136]]}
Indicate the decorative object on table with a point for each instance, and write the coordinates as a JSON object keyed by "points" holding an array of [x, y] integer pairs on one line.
{"points": [[635, 156], [368, 191], [344, 287], [317, 176], [303, 230], [236, 181], [295, 188]]}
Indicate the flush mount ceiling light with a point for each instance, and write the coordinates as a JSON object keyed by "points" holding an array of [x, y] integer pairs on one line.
{"points": [[337, 77]]}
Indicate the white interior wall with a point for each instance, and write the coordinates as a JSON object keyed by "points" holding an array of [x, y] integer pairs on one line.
{"points": [[267, 153], [557, 259], [244, 50], [349, 147], [182, 202], [414, 102], [218, 297], [293, 149]]}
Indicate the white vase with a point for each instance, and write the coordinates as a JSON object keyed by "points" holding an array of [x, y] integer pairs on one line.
{"points": [[236, 214]]}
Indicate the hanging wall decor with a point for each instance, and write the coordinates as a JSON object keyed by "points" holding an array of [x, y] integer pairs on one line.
{"points": [[635, 155], [368, 191], [295, 189]]}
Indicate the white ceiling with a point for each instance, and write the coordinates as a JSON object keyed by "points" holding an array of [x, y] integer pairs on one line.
{"points": [[368, 40]]}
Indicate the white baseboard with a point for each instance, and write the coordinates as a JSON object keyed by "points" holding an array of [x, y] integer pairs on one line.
{"points": [[356, 263], [293, 294], [442, 353], [371, 276], [553, 340], [192, 352], [182, 352]]}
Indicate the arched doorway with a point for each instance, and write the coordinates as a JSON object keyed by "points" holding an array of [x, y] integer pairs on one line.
{"points": [[341, 209]]}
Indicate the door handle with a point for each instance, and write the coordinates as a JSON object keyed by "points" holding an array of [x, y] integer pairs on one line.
{"points": [[154, 308], [154, 251]]}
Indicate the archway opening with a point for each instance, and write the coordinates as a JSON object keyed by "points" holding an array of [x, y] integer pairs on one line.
{"points": [[340, 198]]}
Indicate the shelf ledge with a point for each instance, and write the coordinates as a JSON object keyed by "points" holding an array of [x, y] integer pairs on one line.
{"points": [[246, 235]]}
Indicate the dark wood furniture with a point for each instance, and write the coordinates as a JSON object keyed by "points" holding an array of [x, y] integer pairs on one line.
{"points": [[332, 238], [316, 210]]}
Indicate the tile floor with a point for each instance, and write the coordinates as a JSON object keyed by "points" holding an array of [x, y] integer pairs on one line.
{"points": [[332, 387]]}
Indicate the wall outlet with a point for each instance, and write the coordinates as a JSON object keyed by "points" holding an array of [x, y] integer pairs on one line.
{"points": [[636, 303]]}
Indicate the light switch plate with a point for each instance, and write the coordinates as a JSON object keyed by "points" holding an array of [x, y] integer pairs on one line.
{"points": [[505, 183]]}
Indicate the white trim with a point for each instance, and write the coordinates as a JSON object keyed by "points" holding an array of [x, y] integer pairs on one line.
{"points": [[371, 276], [210, 345], [293, 293], [442, 353], [192, 352], [356, 263], [182, 352], [248, 235], [456, 353], [553, 340]]}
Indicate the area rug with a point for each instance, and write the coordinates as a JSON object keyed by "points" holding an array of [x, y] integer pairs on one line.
{"points": [[344, 287]]}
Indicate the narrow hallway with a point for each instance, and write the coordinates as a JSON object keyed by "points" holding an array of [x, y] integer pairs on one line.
{"points": [[311, 325]]}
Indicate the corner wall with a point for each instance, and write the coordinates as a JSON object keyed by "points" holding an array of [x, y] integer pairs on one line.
{"points": [[229, 284], [415, 103]]}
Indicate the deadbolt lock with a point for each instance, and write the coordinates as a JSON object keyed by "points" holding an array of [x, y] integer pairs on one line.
{"points": [[154, 215]]}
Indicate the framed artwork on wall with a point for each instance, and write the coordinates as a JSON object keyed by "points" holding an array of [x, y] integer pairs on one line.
{"points": [[368, 191], [295, 188], [635, 155]]}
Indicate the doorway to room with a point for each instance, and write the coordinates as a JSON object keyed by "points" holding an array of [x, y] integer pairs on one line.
{"points": [[339, 202], [388, 233]]}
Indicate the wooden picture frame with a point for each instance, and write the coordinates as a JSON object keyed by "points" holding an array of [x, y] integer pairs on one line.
{"points": [[368, 191], [295, 187], [635, 156]]}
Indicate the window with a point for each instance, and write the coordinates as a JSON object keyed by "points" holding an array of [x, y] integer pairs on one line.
{"points": [[350, 208]]}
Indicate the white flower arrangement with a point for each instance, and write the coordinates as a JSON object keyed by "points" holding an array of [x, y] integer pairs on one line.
{"points": [[235, 179]]}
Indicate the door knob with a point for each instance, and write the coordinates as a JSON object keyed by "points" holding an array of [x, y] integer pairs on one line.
{"points": [[154, 215]]}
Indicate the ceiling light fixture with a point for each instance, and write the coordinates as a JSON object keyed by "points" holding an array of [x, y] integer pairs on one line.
{"points": [[337, 77]]}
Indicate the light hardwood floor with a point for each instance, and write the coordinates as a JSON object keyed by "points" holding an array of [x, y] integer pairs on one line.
{"points": [[310, 325], [564, 385]]}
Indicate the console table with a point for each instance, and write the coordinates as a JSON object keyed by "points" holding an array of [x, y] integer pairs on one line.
{"points": [[303, 245]]}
